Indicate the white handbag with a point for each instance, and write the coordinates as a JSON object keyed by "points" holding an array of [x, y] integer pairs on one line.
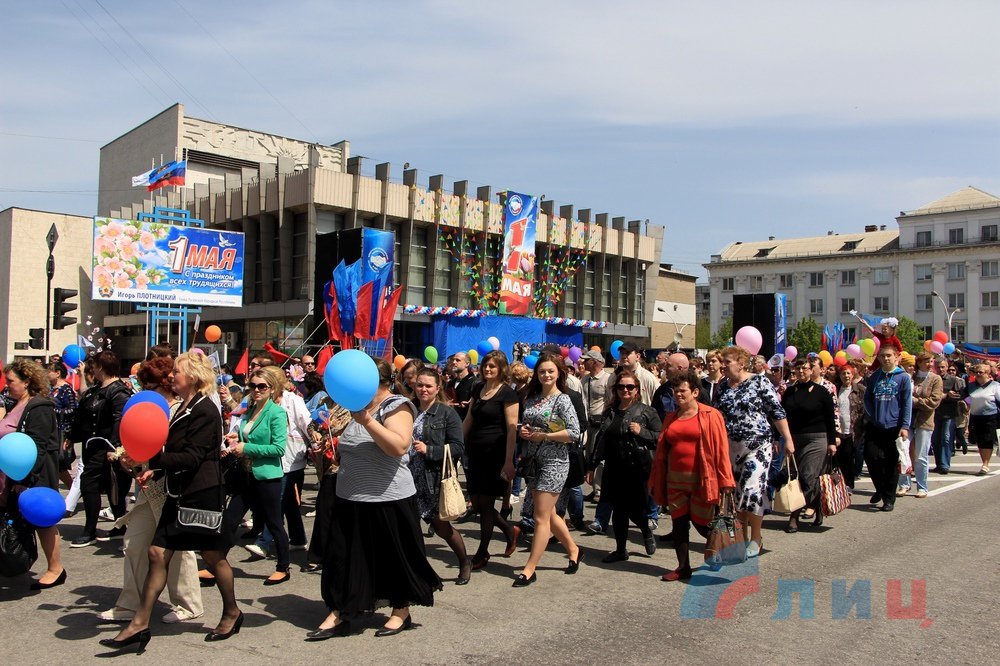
{"points": [[789, 497], [451, 500]]}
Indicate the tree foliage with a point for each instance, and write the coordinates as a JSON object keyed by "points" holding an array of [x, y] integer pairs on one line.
{"points": [[723, 337], [806, 336], [910, 335]]}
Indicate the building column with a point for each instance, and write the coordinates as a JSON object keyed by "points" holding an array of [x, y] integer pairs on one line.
{"points": [[903, 280], [864, 303], [714, 304], [801, 304], [831, 308], [973, 328], [940, 319], [771, 283]]}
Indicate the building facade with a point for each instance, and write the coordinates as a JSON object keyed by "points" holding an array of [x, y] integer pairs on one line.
{"points": [[943, 262], [674, 317], [282, 193]]}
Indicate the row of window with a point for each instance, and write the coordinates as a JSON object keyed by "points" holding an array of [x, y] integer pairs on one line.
{"points": [[956, 236], [880, 276], [924, 303]]}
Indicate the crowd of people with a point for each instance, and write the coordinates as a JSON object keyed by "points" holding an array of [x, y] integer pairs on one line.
{"points": [[680, 435]]}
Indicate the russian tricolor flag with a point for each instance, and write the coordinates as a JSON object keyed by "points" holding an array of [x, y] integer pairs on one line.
{"points": [[171, 173]]}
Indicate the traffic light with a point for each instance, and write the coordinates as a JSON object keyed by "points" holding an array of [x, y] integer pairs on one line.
{"points": [[36, 338], [60, 306]]}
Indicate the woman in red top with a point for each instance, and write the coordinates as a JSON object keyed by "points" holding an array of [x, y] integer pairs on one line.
{"points": [[691, 469]]}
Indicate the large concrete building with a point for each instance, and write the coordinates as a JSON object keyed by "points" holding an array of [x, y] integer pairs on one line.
{"points": [[943, 261], [674, 309], [24, 254], [283, 193]]}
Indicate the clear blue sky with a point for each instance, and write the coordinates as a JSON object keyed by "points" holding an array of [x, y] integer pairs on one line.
{"points": [[721, 121]]}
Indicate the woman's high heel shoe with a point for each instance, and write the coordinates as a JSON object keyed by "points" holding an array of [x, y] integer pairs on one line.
{"points": [[142, 638], [214, 636]]}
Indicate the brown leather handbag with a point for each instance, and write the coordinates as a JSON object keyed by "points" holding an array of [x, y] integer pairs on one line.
{"points": [[725, 538]]}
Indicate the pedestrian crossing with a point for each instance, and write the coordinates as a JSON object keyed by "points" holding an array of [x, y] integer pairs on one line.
{"points": [[964, 471]]}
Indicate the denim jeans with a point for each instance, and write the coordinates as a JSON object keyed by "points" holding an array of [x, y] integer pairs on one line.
{"points": [[652, 509], [575, 504], [603, 514], [290, 481], [942, 441], [921, 449]]}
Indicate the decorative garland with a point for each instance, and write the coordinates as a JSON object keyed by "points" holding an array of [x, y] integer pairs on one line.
{"points": [[559, 265], [582, 323], [446, 310]]}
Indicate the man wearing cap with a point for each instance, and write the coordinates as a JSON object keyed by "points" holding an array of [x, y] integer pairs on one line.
{"points": [[595, 389], [631, 358]]}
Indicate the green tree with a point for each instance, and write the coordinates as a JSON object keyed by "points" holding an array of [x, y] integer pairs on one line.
{"points": [[723, 337], [911, 335], [806, 336], [702, 332]]}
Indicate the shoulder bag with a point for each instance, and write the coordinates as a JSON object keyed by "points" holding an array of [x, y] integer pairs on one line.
{"points": [[18, 547], [834, 496], [194, 520], [451, 501], [725, 538], [789, 497]]}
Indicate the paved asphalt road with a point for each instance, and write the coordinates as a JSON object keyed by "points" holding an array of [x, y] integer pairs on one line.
{"points": [[620, 613]]}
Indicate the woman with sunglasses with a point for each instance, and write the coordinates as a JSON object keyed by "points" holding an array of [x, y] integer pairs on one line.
{"points": [[984, 413], [549, 424], [626, 440], [260, 437]]}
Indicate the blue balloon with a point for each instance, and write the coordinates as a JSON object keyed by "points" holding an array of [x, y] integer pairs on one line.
{"points": [[616, 349], [484, 347], [17, 456], [531, 361], [42, 507], [949, 348], [73, 356], [148, 396], [351, 379]]}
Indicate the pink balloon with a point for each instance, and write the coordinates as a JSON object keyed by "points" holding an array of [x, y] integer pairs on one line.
{"points": [[749, 338], [854, 351], [878, 344], [791, 352], [936, 347]]}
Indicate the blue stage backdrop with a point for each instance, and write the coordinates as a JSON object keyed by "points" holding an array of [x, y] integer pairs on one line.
{"points": [[455, 334]]}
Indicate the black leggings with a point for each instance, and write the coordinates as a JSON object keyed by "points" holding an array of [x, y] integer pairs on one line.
{"points": [[620, 515], [844, 460], [96, 478], [265, 498], [682, 529], [290, 506]]}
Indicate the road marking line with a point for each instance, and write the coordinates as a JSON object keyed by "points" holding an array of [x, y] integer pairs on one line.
{"points": [[960, 484]]}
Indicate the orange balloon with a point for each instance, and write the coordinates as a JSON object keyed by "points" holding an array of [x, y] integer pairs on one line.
{"points": [[135, 368], [399, 361], [213, 333], [595, 348]]}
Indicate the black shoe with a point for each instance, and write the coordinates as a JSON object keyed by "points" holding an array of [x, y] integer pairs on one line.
{"points": [[505, 513], [464, 573], [886, 507], [83, 540], [793, 526], [574, 565], [875, 499], [214, 636], [342, 628], [524, 581], [116, 533], [579, 524], [590, 496], [206, 582], [407, 624], [142, 638], [650, 543], [943, 471], [615, 556], [278, 581], [44, 586], [665, 539], [819, 519]]}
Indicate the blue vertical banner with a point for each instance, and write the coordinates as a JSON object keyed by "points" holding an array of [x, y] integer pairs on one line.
{"points": [[377, 259], [518, 270], [780, 323]]}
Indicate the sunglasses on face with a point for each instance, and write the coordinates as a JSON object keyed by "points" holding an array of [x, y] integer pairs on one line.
{"points": [[308, 363], [255, 365], [258, 387], [626, 387]]}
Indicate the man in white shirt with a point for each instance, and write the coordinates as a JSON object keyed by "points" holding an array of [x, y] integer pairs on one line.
{"points": [[595, 389], [631, 358]]}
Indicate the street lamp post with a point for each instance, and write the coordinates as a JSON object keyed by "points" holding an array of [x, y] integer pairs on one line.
{"points": [[948, 314], [678, 330]]}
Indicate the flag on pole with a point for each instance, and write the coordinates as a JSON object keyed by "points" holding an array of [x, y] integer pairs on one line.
{"points": [[243, 367], [142, 180], [172, 173], [84, 342]]}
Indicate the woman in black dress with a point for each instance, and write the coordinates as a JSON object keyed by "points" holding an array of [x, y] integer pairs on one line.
{"points": [[490, 430], [190, 460]]}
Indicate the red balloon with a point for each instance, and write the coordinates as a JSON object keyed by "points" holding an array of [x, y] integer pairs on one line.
{"points": [[564, 351], [941, 337], [143, 431]]}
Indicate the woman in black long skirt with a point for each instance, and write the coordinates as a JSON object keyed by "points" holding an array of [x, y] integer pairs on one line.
{"points": [[375, 549], [190, 459]]}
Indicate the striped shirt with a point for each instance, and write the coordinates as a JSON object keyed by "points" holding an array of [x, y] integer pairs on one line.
{"points": [[368, 474]]}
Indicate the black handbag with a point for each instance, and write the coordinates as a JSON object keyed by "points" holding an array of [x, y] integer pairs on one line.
{"points": [[18, 548], [577, 466]]}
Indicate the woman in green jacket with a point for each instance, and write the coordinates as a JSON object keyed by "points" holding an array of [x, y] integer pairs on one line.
{"points": [[260, 437]]}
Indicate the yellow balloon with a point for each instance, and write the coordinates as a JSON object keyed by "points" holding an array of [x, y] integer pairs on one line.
{"points": [[473, 356], [826, 358]]}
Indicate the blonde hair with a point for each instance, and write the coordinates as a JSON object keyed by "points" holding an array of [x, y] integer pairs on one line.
{"points": [[199, 369], [275, 378], [32, 373]]}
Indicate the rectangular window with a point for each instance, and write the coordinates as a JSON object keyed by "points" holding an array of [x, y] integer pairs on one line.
{"points": [[785, 281], [756, 283], [815, 306], [924, 302], [728, 284], [588, 288], [300, 237], [846, 305], [416, 277], [958, 332], [924, 238], [990, 268], [991, 299], [727, 309], [623, 294], [991, 332], [956, 300], [276, 264], [881, 304], [443, 267], [923, 273], [850, 332], [928, 332], [395, 227], [956, 271], [882, 276], [606, 287], [639, 311], [988, 233], [848, 278], [956, 236], [816, 279]]}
